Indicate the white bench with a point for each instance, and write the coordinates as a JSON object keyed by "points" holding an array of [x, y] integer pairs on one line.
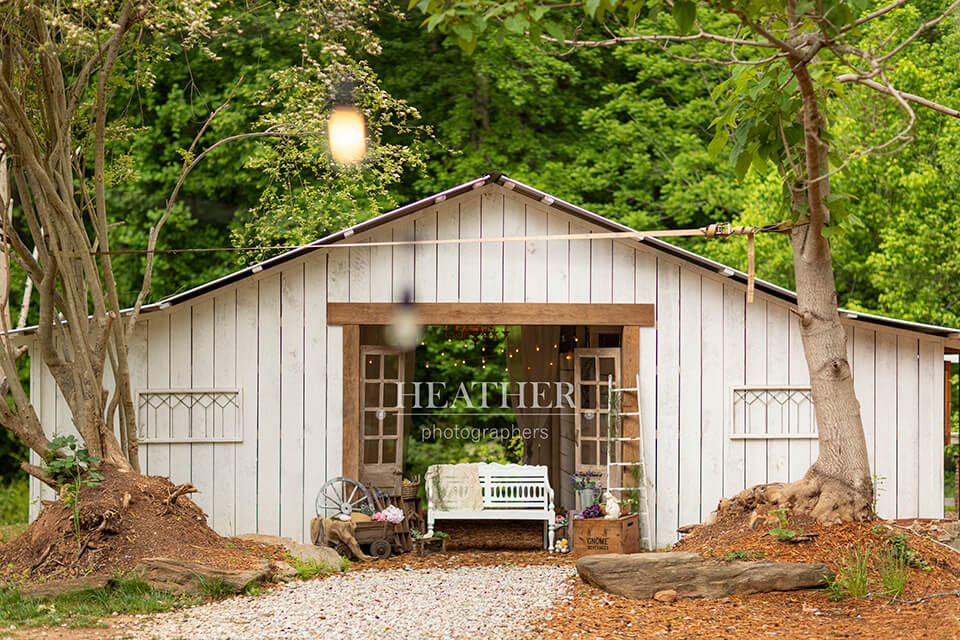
{"points": [[509, 491]]}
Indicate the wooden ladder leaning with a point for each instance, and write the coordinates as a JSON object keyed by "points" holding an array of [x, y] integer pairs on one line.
{"points": [[615, 435]]}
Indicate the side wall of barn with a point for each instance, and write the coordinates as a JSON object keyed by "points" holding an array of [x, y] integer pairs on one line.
{"points": [[267, 337]]}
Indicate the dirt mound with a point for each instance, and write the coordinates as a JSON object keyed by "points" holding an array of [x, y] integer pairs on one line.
{"points": [[124, 519], [938, 570]]}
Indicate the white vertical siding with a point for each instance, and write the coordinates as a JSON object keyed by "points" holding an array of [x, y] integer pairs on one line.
{"points": [[713, 420], [291, 401], [315, 390], [734, 300], [248, 497], [224, 467], [533, 257], [691, 445], [491, 253], [778, 364], [201, 366], [886, 423], [668, 400]]}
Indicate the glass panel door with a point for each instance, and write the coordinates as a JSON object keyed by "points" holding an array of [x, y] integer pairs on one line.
{"points": [[593, 371], [381, 423]]}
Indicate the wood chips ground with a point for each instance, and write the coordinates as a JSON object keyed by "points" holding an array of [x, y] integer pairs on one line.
{"points": [[590, 614]]}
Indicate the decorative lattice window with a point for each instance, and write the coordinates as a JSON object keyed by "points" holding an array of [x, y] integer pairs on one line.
{"points": [[772, 413], [189, 415]]}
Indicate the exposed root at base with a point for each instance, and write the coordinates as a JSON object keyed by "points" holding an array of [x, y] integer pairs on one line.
{"points": [[827, 499]]}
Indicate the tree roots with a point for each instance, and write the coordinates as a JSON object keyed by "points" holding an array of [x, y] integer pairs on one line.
{"points": [[828, 499]]}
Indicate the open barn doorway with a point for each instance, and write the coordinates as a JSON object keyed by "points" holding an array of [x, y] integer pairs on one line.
{"points": [[524, 394]]}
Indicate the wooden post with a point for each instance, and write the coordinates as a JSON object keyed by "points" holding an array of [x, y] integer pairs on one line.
{"points": [[351, 401], [947, 398]]}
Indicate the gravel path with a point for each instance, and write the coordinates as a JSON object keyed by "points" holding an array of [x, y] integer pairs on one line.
{"points": [[465, 602]]}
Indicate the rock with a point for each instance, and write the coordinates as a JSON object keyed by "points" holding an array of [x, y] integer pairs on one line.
{"points": [[183, 576], [642, 575], [282, 570], [53, 588], [667, 595], [300, 551]]}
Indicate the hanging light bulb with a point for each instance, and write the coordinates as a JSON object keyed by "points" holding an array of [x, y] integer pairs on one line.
{"points": [[347, 134], [405, 330]]}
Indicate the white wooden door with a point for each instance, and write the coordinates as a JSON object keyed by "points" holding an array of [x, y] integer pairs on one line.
{"points": [[592, 371], [381, 419]]}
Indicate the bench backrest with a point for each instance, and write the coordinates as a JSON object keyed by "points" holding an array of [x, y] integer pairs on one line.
{"points": [[515, 486]]}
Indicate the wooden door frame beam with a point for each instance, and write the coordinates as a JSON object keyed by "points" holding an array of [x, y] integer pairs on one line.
{"points": [[484, 313], [351, 402]]}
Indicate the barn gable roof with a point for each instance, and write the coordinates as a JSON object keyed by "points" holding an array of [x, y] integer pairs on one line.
{"points": [[549, 201]]}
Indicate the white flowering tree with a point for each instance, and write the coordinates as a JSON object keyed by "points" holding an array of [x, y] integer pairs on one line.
{"points": [[68, 70]]}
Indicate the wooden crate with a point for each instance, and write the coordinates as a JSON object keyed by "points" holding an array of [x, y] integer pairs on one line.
{"points": [[599, 535]]}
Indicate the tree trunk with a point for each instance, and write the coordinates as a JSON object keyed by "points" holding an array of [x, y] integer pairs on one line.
{"points": [[838, 487]]}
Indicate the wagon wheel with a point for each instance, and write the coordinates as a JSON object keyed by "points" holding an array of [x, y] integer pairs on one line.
{"points": [[342, 550], [342, 496], [380, 549]]}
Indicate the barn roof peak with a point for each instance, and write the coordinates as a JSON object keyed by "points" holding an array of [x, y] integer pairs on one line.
{"points": [[550, 201]]}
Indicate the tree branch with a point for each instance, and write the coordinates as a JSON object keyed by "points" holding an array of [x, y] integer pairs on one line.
{"points": [[702, 35], [930, 104]]}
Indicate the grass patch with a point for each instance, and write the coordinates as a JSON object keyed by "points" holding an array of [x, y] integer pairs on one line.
{"points": [[852, 577], [15, 501], [307, 570], [84, 608], [893, 570]]}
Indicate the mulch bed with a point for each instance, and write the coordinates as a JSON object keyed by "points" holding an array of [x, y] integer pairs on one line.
{"points": [[501, 535], [116, 532], [592, 613]]}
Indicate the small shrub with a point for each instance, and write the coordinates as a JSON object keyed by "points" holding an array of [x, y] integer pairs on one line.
{"points": [[308, 569], [894, 572], [781, 532], [345, 564], [852, 577], [897, 542]]}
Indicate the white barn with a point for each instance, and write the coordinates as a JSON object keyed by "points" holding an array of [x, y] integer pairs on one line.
{"points": [[251, 386]]}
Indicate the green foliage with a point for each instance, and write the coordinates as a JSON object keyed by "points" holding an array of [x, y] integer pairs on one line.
{"points": [[128, 595], [898, 544], [73, 470], [852, 578], [893, 571], [307, 570], [15, 501], [441, 534], [213, 588], [781, 531]]}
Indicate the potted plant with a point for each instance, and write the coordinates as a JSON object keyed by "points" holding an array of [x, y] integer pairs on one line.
{"points": [[587, 487]]}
